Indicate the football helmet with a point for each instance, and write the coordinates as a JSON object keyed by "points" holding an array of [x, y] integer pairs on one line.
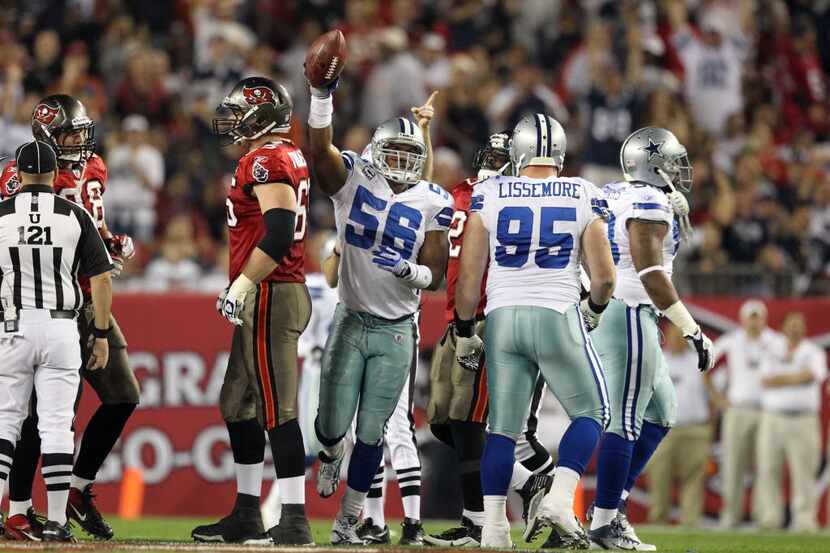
{"points": [[254, 107], [494, 157], [538, 139], [60, 114], [399, 151], [651, 150]]}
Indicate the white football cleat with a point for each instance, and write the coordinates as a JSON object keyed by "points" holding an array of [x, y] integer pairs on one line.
{"points": [[328, 474], [496, 536], [344, 531]]}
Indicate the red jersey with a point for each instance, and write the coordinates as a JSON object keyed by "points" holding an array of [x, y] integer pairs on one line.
{"points": [[277, 161], [461, 194]]}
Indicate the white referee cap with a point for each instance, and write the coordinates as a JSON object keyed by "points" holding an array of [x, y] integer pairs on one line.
{"points": [[753, 308], [36, 158]]}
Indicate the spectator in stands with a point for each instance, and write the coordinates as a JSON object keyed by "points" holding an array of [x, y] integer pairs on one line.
{"points": [[176, 267], [136, 173], [684, 453], [46, 65], [789, 430], [747, 350]]}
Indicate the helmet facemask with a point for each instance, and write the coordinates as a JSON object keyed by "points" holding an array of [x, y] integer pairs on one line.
{"points": [[399, 159], [493, 160], [75, 153], [233, 126], [680, 169]]}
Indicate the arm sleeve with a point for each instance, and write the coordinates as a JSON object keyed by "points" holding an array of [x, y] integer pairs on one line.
{"points": [[480, 203], [94, 257], [444, 210]]}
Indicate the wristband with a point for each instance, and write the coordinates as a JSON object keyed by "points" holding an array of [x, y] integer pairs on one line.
{"points": [[100, 333], [320, 112], [680, 316], [596, 308], [648, 270], [463, 329], [242, 285], [418, 276]]}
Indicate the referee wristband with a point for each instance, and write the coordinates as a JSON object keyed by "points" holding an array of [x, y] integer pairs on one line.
{"points": [[100, 332]]}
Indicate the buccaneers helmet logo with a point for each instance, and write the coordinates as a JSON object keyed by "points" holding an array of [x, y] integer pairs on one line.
{"points": [[258, 95], [45, 114]]}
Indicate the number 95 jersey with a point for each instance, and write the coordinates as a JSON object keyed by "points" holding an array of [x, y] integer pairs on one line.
{"points": [[368, 213], [279, 161], [535, 228]]}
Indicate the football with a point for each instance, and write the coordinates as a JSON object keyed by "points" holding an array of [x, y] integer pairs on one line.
{"points": [[325, 58]]}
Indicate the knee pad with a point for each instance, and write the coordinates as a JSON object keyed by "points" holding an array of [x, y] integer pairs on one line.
{"points": [[370, 428]]}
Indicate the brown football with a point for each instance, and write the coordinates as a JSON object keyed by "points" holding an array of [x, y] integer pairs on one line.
{"points": [[325, 58]]}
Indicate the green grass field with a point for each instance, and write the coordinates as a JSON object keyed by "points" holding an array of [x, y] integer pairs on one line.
{"points": [[160, 534]]}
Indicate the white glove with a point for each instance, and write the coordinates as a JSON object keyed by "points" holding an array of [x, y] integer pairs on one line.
{"points": [[233, 301], [704, 348], [679, 203], [590, 316], [117, 266], [468, 352]]}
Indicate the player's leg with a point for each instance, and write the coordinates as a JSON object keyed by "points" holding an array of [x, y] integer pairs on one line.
{"points": [[573, 373], [511, 377], [56, 383], [533, 470], [118, 391], [23, 522], [373, 528], [386, 373], [341, 376], [238, 405]]}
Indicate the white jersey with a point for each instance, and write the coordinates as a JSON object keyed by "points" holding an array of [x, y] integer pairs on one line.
{"points": [[368, 213], [535, 228], [323, 302], [637, 201]]}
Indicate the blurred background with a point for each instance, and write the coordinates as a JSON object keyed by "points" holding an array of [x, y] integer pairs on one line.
{"points": [[742, 83]]}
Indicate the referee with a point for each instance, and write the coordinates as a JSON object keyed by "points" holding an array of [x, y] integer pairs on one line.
{"points": [[45, 242]]}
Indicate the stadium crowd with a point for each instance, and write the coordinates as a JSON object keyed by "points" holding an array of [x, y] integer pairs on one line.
{"points": [[742, 82]]}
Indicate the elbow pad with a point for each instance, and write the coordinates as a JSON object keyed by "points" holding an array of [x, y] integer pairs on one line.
{"points": [[279, 232]]}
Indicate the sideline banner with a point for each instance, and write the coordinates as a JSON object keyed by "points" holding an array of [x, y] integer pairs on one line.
{"points": [[179, 348]]}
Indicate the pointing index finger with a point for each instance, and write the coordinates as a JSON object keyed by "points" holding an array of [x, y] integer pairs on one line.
{"points": [[431, 98]]}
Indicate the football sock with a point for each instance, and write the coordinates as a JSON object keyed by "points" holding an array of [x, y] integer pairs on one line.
{"points": [[57, 472], [363, 466], [468, 439], [443, 432], [650, 437], [6, 456], [476, 517], [24, 466], [578, 444], [602, 517], [409, 482], [495, 509], [613, 463], [562, 490], [520, 476], [497, 466], [79, 483], [19, 507], [100, 436], [248, 447], [374, 500], [352, 503], [289, 460]]}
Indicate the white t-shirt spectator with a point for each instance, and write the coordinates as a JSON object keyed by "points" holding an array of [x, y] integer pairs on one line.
{"points": [[164, 275], [692, 402], [130, 200], [713, 77], [802, 398], [745, 359]]}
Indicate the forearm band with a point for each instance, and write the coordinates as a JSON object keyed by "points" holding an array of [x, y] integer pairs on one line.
{"points": [[418, 276], [682, 319], [464, 329], [596, 308], [320, 112], [279, 232], [648, 270]]}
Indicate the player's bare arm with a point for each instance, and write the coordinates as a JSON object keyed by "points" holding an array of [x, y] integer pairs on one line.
{"points": [[475, 252], [424, 114], [330, 265], [329, 170], [434, 254], [596, 254], [101, 286]]}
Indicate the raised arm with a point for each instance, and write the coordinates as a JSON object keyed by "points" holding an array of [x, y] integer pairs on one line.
{"points": [[326, 161], [424, 116]]}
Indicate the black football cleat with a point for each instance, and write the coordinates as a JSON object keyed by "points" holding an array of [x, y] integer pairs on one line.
{"points": [[372, 534], [610, 536], [242, 526], [293, 528], [412, 532], [81, 508], [534, 490], [28, 527], [56, 532], [466, 535]]}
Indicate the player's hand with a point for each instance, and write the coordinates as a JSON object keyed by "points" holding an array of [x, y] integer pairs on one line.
{"points": [[590, 314], [120, 245], [220, 299], [390, 260], [324, 91], [704, 348], [468, 352], [231, 302], [100, 354], [426, 112], [679, 203], [117, 266]]}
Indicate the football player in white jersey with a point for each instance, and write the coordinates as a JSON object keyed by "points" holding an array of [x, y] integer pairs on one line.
{"points": [[535, 229], [393, 229], [646, 213]]}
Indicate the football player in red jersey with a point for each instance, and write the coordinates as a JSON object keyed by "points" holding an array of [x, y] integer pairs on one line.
{"points": [[458, 403], [62, 122], [269, 305]]}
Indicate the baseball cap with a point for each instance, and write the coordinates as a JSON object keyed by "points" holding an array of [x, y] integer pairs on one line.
{"points": [[36, 158], [753, 308]]}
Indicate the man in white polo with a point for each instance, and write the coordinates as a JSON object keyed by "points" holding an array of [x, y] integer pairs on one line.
{"points": [[789, 429], [746, 349]]}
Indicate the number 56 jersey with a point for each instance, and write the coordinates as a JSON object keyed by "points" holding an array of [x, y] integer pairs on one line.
{"points": [[535, 228], [368, 213]]}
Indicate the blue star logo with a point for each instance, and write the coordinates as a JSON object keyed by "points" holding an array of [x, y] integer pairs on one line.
{"points": [[653, 149]]}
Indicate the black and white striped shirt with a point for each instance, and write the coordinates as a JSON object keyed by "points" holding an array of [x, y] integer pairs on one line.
{"points": [[45, 242]]}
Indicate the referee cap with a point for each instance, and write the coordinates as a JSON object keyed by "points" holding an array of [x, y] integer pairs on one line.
{"points": [[36, 158]]}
